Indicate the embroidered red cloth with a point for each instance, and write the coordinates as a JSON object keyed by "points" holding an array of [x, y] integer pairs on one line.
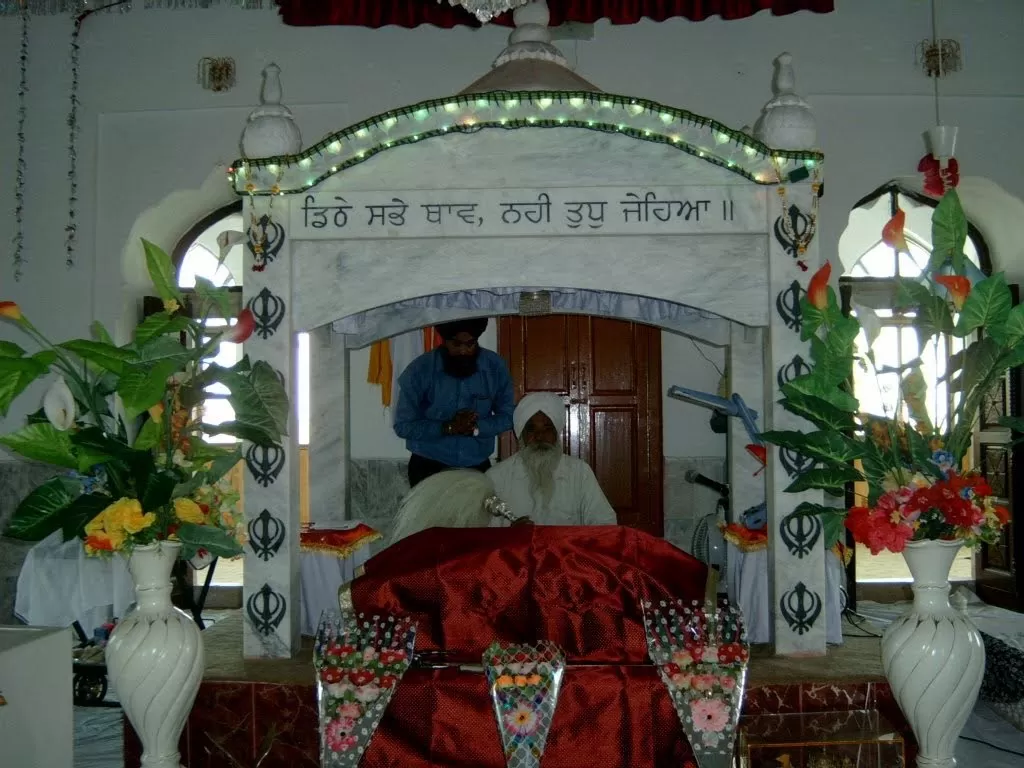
{"points": [[580, 587], [339, 542], [412, 13]]}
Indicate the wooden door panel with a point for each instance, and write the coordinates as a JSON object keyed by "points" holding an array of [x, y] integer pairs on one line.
{"points": [[613, 457], [610, 348]]}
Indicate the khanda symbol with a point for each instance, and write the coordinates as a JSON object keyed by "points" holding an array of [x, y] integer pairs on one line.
{"points": [[793, 462], [266, 535], [799, 226], [794, 368], [266, 610], [268, 312], [265, 462], [787, 304], [800, 607], [800, 533]]}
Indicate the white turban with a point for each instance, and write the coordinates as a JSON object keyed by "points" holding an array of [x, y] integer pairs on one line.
{"points": [[539, 402]]}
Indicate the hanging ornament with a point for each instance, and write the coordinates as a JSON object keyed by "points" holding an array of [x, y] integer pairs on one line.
{"points": [[71, 230], [19, 168], [485, 10]]}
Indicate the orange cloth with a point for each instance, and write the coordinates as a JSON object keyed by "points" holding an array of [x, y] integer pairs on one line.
{"points": [[380, 370], [340, 543], [431, 339]]}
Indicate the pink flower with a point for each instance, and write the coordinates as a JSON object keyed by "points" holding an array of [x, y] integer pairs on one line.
{"points": [[709, 715], [710, 654], [338, 690], [368, 693], [727, 683], [681, 680], [522, 720], [682, 658], [704, 682], [339, 740], [345, 724], [350, 710]]}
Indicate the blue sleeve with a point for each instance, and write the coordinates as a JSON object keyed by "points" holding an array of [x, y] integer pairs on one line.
{"points": [[504, 403], [411, 422]]}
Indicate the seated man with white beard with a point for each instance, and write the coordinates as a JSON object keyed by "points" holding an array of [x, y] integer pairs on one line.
{"points": [[541, 482]]}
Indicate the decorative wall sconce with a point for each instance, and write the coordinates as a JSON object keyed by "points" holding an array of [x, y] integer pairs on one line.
{"points": [[939, 57], [216, 74]]}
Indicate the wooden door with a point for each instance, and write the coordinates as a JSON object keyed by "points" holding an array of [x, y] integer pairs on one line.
{"points": [[608, 373], [997, 567]]}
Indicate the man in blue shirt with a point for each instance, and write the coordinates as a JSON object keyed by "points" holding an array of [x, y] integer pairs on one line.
{"points": [[453, 402]]}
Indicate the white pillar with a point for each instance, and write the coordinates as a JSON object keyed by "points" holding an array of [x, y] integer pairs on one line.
{"points": [[270, 595], [328, 428], [746, 379], [796, 544]]}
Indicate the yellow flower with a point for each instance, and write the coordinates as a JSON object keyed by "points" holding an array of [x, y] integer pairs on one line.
{"points": [[101, 535], [188, 511], [171, 306], [127, 515], [227, 520]]}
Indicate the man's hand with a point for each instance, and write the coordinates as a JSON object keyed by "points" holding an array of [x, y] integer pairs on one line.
{"points": [[463, 423]]}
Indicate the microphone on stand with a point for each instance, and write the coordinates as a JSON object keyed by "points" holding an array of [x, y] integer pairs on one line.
{"points": [[697, 478]]}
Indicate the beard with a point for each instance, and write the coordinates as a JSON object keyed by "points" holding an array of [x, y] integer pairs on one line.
{"points": [[459, 366], [541, 460]]}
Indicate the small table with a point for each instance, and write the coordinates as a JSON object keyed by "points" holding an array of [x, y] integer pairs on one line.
{"points": [[330, 558]]}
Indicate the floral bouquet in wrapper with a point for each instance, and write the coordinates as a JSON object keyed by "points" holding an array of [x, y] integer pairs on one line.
{"points": [[917, 486], [524, 681], [124, 423], [702, 655], [359, 663]]}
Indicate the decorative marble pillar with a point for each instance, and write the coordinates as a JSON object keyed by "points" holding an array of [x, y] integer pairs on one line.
{"points": [[746, 379], [328, 428], [796, 543]]}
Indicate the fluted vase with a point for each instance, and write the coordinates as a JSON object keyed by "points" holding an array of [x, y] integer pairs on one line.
{"points": [[933, 656], [155, 657]]}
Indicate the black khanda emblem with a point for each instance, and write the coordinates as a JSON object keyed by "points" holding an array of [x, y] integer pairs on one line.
{"points": [[792, 232], [800, 533], [266, 609], [787, 304], [794, 462], [268, 312], [266, 238], [266, 535], [265, 463], [800, 607], [791, 370]]}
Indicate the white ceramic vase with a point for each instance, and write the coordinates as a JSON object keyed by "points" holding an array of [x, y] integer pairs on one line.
{"points": [[933, 656], [155, 657]]}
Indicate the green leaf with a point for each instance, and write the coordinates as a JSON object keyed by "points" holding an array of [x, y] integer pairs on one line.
{"points": [[823, 446], [38, 514], [16, 373], [1012, 332], [831, 479], [933, 318], [1016, 423], [143, 386], [830, 366], [260, 400], [167, 349], [812, 318], [221, 465], [987, 306], [810, 385], [158, 325], [161, 272], [100, 333], [911, 293], [819, 412], [150, 435], [80, 512], [128, 470], [104, 355], [209, 294], [42, 442], [10, 349], [949, 230], [158, 490], [243, 431], [216, 541]]}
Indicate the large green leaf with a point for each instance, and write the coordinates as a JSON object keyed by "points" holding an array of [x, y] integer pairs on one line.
{"points": [[127, 468], [160, 324], [74, 517], [158, 490], [830, 366], [1012, 332], [933, 318], [38, 515], [260, 400], [104, 355], [831, 479], [10, 349], [16, 373], [161, 272], [42, 442], [214, 540], [809, 384], [823, 446], [949, 231], [243, 431], [167, 349], [911, 293], [144, 385], [211, 295], [822, 414], [100, 333], [150, 435], [987, 306], [812, 318]]}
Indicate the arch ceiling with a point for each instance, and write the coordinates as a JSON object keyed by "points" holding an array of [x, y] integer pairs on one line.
{"points": [[638, 119]]}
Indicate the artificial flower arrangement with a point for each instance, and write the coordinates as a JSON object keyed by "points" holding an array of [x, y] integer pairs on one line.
{"points": [[918, 489], [125, 424]]}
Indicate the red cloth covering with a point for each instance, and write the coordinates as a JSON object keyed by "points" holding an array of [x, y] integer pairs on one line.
{"points": [[412, 13], [338, 542], [580, 587]]}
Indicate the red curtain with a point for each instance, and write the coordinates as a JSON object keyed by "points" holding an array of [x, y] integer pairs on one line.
{"points": [[412, 13]]}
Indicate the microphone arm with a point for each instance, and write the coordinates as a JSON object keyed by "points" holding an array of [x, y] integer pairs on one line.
{"points": [[697, 478]]}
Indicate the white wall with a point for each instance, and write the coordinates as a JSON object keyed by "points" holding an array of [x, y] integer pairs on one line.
{"points": [[148, 130], [685, 427]]}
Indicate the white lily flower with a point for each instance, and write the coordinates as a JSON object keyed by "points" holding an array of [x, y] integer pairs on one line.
{"points": [[59, 405], [869, 321]]}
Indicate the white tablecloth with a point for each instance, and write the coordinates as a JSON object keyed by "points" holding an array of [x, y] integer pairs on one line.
{"points": [[322, 575]]}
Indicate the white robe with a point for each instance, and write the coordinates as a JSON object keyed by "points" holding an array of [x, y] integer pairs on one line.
{"points": [[577, 500]]}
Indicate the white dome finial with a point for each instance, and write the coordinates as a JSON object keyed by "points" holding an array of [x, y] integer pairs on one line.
{"points": [[531, 38], [787, 121], [271, 131]]}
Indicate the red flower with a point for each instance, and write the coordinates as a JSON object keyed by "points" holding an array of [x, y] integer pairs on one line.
{"points": [[387, 681], [892, 232], [876, 529], [958, 287], [341, 650], [243, 328], [672, 669], [1003, 514], [360, 677], [10, 310], [391, 657], [936, 182], [817, 289], [331, 675], [729, 652]]}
